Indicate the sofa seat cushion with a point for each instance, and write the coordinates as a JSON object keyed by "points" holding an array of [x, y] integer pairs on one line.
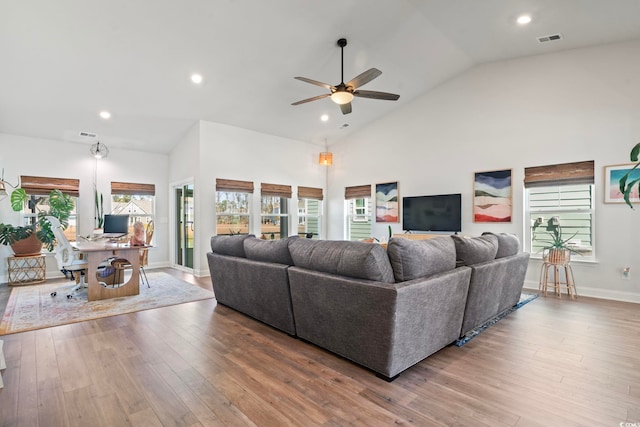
{"points": [[412, 259], [359, 260], [269, 250], [475, 250], [229, 245], [508, 244]]}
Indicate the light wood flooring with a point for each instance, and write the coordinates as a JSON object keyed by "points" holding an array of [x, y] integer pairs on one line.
{"points": [[551, 363]]}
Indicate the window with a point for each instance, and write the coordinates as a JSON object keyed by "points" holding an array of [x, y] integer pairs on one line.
{"points": [[135, 200], [561, 195], [358, 208], [309, 211], [38, 189], [274, 211], [233, 206]]}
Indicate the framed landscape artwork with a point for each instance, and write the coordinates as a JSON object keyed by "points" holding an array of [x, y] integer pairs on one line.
{"points": [[612, 175], [492, 196], [387, 202]]}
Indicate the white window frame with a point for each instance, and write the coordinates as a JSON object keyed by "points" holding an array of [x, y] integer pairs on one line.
{"points": [[30, 218], [237, 213], [303, 214], [352, 215], [284, 201], [133, 214], [550, 212]]}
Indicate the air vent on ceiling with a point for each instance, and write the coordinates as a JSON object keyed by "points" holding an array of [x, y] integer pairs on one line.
{"points": [[88, 135], [550, 38]]}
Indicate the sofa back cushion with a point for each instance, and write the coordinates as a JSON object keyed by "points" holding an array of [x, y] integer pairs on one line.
{"points": [[269, 250], [508, 244], [411, 259], [352, 259], [474, 250], [229, 245]]}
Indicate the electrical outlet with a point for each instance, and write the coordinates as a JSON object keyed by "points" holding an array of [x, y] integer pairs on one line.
{"points": [[626, 273]]}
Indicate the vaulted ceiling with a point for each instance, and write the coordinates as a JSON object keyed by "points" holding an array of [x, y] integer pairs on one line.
{"points": [[65, 61]]}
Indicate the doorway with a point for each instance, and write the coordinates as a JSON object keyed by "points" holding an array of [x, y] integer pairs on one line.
{"points": [[184, 226]]}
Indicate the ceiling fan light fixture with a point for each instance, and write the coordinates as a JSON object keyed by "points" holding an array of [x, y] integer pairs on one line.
{"points": [[341, 97]]}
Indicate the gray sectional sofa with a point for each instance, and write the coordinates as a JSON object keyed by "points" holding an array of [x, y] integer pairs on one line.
{"points": [[383, 309]]}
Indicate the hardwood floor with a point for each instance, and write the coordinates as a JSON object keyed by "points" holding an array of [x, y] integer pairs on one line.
{"points": [[551, 363]]}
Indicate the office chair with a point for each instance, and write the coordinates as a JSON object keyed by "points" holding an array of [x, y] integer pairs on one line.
{"points": [[67, 257], [122, 264]]}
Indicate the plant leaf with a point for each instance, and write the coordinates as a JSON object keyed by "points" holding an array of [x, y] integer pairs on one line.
{"points": [[635, 151]]}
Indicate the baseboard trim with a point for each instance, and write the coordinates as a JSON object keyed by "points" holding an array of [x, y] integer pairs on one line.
{"points": [[613, 295]]}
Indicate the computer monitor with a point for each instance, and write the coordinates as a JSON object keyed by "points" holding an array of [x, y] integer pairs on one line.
{"points": [[116, 225]]}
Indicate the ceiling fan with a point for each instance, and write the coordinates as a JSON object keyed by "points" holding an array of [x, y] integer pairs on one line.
{"points": [[343, 93]]}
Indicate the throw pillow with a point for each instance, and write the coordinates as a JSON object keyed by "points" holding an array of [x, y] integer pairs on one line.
{"points": [[229, 245], [412, 259], [475, 250], [508, 244], [269, 250]]}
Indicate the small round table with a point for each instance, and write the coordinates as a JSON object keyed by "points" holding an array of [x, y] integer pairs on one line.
{"points": [[556, 265]]}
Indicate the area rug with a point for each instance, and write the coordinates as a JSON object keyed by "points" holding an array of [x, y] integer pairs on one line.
{"points": [[32, 307], [524, 299]]}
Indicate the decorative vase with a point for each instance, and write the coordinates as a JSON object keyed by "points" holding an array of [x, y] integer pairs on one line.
{"points": [[30, 246]]}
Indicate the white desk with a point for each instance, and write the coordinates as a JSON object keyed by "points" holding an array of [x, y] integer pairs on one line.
{"points": [[95, 253]]}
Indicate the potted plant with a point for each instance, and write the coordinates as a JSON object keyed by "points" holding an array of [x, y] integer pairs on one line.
{"points": [[626, 185], [99, 213], [60, 206], [557, 249], [22, 239]]}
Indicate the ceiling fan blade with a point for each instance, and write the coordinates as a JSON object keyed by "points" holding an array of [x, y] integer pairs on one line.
{"points": [[315, 98], [364, 78], [372, 94], [345, 108], [315, 82]]}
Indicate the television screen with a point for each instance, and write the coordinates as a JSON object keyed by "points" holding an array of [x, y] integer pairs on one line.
{"points": [[432, 213], [116, 224]]}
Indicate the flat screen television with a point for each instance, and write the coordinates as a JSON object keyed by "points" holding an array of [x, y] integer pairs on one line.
{"points": [[432, 213]]}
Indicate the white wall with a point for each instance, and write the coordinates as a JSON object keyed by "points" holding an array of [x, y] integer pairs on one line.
{"points": [[572, 106], [40, 157], [229, 152]]}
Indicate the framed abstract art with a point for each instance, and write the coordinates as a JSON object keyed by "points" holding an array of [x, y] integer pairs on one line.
{"points": [[492, 196], [387, 202]]}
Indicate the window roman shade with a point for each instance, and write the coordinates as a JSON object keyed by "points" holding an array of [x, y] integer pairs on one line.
{"points": [[275, 190], [357, 192], [561, 174], [234, 185], [131, 188], [310, 193], [42, 185]]}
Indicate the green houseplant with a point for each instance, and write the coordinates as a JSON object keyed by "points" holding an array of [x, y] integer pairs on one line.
{"points": [[557, 249], [626, 185], [60, 206]]}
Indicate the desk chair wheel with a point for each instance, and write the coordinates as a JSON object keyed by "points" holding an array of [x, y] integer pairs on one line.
{"points": [[53, 294], [69, 296]]}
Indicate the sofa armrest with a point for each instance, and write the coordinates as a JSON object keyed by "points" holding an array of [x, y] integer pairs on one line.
{"points": [[386, 327]]}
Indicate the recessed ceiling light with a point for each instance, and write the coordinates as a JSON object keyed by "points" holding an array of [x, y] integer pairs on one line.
{"points": [[105, 115], [324, 117], [523, 19], [196, 78]]}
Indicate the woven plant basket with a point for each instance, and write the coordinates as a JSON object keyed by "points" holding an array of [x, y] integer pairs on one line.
{"points": [[558, 256]]}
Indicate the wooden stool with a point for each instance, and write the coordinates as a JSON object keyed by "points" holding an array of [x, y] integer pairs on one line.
{"points": [[569, 282]]}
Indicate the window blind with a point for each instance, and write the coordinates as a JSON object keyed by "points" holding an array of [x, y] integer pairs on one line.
{"points": [[275, 190], [131, 188], [310, 193], [234, 185], [357, 192], [42, 185], [560, 174]]}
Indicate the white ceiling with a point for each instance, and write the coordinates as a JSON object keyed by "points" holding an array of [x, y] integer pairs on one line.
{"points": [[64, 61]]}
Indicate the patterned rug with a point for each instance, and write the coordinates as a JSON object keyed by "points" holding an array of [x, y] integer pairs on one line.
{"points": [[524, 299], [32, 307]]}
